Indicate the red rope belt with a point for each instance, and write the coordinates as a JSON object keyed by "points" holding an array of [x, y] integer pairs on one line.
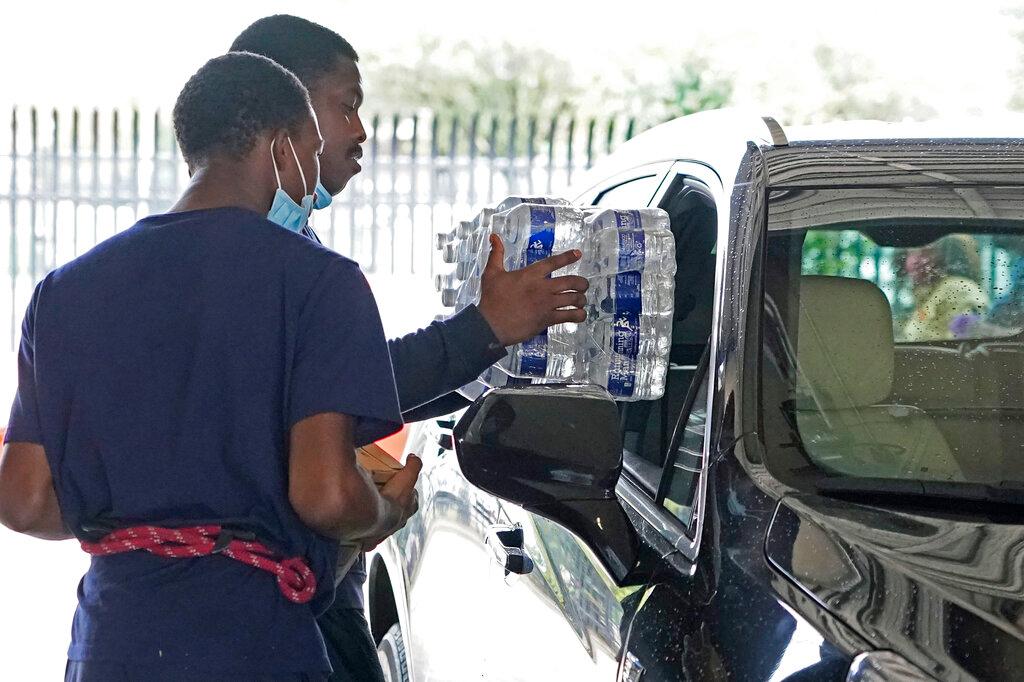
{"points": [[294, 577]]}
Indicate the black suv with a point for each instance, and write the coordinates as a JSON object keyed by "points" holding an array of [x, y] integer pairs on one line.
{"points": [[832, 485]]}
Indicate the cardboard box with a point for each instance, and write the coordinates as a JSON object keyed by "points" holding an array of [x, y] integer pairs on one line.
{"points": [[379, 463], [381, 467]]}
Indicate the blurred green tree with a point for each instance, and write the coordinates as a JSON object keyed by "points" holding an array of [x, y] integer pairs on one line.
{"points": [[695, 87], [856, 91], [456, 78], [499, 82]]}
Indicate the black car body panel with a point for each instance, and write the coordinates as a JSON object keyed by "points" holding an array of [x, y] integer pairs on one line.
{"points": [[946, 604]]}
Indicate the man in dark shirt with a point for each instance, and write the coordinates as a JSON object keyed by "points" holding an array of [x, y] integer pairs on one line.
{"points": [[431, 363], [208, 369]]}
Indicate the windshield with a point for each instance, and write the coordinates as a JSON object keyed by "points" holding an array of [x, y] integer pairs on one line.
{"points": [[892, 326]]}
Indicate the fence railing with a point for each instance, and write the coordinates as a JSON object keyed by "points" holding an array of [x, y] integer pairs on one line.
{"points": [[69, 179]]}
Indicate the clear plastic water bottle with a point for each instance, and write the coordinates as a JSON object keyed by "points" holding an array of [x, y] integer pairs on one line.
{"points": [[458, 294], [465, 269], [481, 220], [446, 281], [653, 335], [534, 232], [646, 219], [628, 378], [631, 267], [513, 201], [654, 293], [449, 297], [552, 354], [456, 251], [628, 352], [613, 251], [462, 229]]}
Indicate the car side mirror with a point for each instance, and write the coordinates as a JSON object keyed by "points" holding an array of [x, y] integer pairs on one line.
{"points": [[557, 452]]}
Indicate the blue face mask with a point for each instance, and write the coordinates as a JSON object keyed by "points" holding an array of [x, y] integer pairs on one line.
{"points": [[323, 197], [284, 211]]}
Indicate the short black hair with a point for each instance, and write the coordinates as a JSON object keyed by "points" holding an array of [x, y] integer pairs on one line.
{"points": [[307, 49], [231, 100]]}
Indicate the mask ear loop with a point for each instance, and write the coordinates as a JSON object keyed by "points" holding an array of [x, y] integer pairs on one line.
{"points": [[274, 161], [301, 174]]}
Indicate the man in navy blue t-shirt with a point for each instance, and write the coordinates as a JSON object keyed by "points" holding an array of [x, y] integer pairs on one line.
{"points": [[201, 380]]}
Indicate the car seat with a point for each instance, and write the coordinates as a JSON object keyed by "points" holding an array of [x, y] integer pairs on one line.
{"points": [[845, 366]]}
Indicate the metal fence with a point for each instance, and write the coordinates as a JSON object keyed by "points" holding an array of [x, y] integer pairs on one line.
{"points": [[69, 179]]}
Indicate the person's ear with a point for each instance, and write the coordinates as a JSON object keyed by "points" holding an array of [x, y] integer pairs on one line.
{"points": [[282, 152]]}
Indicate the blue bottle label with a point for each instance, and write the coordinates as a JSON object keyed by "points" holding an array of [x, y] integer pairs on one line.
{"points": [[621, 376], [632, 250], [625, 339], [629, 220], [533, 354]]}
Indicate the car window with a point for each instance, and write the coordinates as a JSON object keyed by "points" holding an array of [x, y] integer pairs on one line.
{"points": [[893, 345], [630, 194], [959, 286], [683, 476], [647, 425]]}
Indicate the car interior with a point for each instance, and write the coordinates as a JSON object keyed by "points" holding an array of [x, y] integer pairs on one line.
{"points": [[843, 411], [859, 388]]}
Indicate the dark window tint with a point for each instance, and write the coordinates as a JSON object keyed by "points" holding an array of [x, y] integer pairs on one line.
{"points": [[687, 460]]}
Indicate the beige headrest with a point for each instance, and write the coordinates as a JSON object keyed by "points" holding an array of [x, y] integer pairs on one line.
{"points": [[845, 346]]}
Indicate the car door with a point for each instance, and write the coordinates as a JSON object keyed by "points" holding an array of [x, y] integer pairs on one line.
{"points": [[666, 445], [568, 612], [448, 591], [468, 618], [665, 638]]}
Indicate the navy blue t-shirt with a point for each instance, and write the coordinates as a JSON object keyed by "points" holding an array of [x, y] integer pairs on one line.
{"points": [[162, 372]]}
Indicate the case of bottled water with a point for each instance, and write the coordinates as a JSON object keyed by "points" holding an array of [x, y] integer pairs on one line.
{"points": [[631, 266], [467, 248], [534, 232], [629, 260]]}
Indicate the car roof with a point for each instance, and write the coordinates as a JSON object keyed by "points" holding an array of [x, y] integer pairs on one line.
{"points": [[855, 153]]}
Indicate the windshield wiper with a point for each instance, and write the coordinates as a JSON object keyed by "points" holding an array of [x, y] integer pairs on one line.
{"points": [[915, 491]]}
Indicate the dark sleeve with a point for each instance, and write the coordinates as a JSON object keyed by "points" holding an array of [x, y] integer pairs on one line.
{"points": [[435, 361], [341, 358], [439, 407], [24, 425]]}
